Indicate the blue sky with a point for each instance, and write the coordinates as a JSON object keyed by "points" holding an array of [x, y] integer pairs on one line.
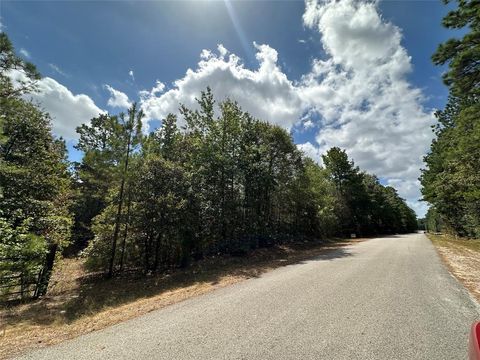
{"points": [[99, 42], [83, 46]]}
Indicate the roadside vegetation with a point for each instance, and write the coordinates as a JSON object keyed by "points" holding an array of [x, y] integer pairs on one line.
{"points": [[451, 179]]}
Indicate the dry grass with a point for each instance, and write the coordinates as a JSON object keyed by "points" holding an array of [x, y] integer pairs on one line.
{"points": [[462, 257], [78, 303]]}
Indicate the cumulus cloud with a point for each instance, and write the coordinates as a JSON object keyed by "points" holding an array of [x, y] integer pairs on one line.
{"points": [[117, 98], [66, 109], [362, 94], [148, 95], [265, 92]]}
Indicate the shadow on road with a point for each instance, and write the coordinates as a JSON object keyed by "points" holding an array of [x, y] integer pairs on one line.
{"points": [[333, 254], [93, 294]]}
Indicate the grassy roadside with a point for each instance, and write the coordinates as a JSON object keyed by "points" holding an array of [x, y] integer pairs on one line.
{"points": [[78, 303], [462, 257]]}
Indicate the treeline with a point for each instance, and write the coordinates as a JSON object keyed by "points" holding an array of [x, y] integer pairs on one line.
{"points": [[224, 182], [451, 179]]}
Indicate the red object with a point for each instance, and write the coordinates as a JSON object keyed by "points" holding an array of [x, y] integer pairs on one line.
{"points": [[474, 345]]}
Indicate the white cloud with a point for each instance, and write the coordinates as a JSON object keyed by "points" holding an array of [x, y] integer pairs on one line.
{"points": [[311, 151], [308, 124], [265, 92], [24, 53], [420, 207], [362, 94], [66, 109], [409, 189], [146, 95], [130, 73], [117, 98]]}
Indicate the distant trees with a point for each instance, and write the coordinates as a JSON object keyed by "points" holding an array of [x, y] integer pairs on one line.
{"points": [[451, 179], [364, 206], [35, 184], [351, 192], [225, 183]]}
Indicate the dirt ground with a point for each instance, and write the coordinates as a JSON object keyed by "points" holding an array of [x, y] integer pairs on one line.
{"points": [[462, 257], [79, 303]]}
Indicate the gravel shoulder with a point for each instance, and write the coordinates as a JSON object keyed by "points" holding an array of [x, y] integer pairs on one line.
{"points": [[462, 257]]}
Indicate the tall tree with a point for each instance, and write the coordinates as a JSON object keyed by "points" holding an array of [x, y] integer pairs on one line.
{"points": [[35, 185], [95, 174], [462, 55], [451, 178], [132, 136]]}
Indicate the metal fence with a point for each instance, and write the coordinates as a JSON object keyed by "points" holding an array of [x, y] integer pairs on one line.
{"points": [[19, 285]]}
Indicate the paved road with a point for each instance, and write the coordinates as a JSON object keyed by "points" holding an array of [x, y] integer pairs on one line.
{"points": [[385, 298]]}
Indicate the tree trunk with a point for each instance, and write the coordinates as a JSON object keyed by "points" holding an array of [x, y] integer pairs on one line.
{"points": [[119, 209], [147, 252], [157, 252], [127, 220], [46, 272]]}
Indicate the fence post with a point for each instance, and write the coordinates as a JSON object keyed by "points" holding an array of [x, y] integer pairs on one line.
{"points": [[45, 273]]}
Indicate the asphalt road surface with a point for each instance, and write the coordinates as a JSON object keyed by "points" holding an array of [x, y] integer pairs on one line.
{"points": [[384, 298]]}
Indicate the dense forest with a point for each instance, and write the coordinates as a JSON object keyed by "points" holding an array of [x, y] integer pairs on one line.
{"points": [[221, 183], [451, 179]]}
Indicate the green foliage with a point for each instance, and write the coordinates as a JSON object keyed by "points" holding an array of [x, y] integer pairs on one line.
{"points": [[364, 205], [9, 61], [96, 174], [21, 253], [434, 222], [35, 185], [462, 55], [98, 250], [110, 144], [320, 197], [225, 183], [451, 179], [351, 191]]}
